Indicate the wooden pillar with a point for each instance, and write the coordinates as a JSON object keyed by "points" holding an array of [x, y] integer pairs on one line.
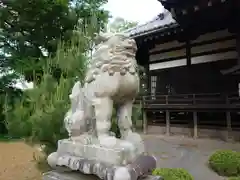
{"points": [[195, 125], [228, 119], [238, 58], [145, 56], [195, 120], [148, 74], [167, 123], [238, 46], [144, 122], [167, 118], [229, 125], [188, 53], [189, 68]]}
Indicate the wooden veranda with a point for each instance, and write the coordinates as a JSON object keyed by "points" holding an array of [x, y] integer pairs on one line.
{"points": [[164, 110]]}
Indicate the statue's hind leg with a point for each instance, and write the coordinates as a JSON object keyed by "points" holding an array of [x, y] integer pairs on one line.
{"points": [[125, 118], [103, 113]]}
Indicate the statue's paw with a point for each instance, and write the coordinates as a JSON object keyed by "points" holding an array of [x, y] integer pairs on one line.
{"points": [[130, 149], [137, 140]]}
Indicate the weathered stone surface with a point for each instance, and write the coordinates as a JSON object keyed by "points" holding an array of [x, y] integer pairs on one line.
{"points": [[54, 175], [88, 147], [141, 167], [85, 166], [92, 152]]}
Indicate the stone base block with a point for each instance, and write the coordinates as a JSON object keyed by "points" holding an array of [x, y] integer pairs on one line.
{"points": [[54, 175], [116, 156]]}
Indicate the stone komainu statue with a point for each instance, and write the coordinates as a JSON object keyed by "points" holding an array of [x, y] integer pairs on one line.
{"points": [[111, 78]]}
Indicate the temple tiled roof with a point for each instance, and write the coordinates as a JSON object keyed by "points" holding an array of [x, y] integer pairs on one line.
{"points": [[162, 21]]}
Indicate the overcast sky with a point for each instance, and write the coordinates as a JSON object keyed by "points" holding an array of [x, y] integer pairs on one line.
{"points": [[134, 10]]}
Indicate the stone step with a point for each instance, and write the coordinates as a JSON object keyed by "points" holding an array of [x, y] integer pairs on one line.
{"points": [[140, 167]]}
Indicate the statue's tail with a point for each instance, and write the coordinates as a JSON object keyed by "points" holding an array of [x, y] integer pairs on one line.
{"points": [[77, 88], [72, 116], [68, 122]]}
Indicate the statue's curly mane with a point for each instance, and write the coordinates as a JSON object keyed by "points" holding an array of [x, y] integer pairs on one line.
{"points": [[113, 53]]}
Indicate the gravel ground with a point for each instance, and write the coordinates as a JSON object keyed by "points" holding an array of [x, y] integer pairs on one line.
{"points": [[17, 162], [177, 152]]}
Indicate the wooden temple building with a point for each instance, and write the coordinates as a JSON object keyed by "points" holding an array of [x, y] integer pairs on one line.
{"points": [[191, 54]]}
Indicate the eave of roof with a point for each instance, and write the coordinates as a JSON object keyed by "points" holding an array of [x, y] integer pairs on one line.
{"points": [[161, 22]]}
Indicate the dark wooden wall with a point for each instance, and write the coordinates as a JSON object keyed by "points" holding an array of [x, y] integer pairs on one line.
{"points": [[200, 78], [200, 68]]}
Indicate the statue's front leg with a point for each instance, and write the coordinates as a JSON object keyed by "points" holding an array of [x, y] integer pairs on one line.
{"points": [[125, 126], [125, 118], [103, 113]]}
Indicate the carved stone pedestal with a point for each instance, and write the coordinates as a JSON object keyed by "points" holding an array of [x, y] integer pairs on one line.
{"points": [[140, 167], [54, 175], [118, 162]]}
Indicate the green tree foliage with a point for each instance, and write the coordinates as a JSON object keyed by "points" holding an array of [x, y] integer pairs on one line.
{"points": [[30, 30], [39, 115]]}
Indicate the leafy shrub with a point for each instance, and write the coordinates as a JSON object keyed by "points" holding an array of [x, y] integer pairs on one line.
{"points": [[173, 174], [225, 162], [234, 178]]}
